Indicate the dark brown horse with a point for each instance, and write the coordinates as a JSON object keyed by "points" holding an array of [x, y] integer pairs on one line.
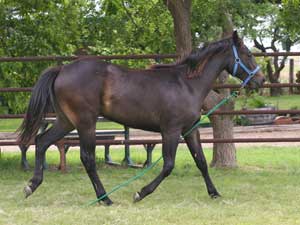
{"points": [[166, 99]]}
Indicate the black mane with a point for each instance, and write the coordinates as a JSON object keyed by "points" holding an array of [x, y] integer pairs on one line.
{"points": [[198, 56]]}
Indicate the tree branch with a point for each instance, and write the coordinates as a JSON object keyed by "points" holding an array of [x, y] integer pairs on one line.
{"points": [[282, 64], [259, 46], [130, 15]]}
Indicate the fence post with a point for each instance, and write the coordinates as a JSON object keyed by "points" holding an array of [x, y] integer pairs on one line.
{"points": [[291, 75]]}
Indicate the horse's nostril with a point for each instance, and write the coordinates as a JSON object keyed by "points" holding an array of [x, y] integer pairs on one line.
{"points": [[263, 80]]}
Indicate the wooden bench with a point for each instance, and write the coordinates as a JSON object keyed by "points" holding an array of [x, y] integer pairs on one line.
{"points": [[100, 135]]}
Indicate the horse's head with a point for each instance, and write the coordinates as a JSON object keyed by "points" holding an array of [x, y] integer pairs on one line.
{"points": [[242, 64]]}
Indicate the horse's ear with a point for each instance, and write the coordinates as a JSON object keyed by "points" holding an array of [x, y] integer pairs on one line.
{"points": [[236, 39]]}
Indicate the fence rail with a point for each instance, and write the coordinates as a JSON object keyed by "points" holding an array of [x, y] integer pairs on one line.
{"points": [[70, 58], [126, 57]]}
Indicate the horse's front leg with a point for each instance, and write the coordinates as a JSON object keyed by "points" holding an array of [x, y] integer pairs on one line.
{"points": [[194, 145], [87, 156], [169, 147]]}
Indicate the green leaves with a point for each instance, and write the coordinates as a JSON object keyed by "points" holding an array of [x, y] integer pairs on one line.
{"points": [[289, 17], [32, 28]]}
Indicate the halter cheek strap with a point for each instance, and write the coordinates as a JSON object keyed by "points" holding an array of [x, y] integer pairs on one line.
{"points": [[238, 62]]}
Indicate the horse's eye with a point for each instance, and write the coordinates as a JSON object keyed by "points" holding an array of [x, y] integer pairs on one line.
{"points": [[249, 54]]}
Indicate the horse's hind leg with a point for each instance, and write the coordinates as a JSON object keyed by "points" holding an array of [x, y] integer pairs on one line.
{"points": [[87, 156], [43, 141], [24, 148], [170, 143], [193, 142], [24, 162]]}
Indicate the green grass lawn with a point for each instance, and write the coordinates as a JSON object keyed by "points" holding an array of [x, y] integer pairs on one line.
{"points": [[264, 189], [281, 102], [11, 125]]}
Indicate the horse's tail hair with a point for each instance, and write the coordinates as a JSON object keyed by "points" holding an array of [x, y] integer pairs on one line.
{"points": [[40, 102]]}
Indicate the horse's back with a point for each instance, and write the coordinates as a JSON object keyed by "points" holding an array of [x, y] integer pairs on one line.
{"points": [[137, 98]]}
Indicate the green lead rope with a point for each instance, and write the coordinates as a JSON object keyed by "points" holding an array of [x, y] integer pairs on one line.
{"points": [[127, 182]]}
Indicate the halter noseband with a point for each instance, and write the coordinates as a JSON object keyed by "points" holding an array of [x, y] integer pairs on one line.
{"points": [[238, 62]]}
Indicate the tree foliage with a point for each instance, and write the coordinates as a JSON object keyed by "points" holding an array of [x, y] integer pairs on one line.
{"points": [[32, 28]]}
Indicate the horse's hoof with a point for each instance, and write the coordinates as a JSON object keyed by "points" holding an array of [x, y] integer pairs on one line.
{"points": [[136, 197], [27, 191], [25, 167], [215, 195], [107, 202]]}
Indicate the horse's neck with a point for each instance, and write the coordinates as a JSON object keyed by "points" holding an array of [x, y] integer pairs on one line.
{"points": [[203, 84]]}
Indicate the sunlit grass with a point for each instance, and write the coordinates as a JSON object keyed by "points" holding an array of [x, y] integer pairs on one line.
{"points": [[11, 125], [281, 102], [262, 190]]}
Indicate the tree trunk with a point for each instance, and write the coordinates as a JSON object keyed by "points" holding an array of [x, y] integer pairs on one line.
{"points": [[224, 154], [275, 91], [273, 78], [181, 13]]}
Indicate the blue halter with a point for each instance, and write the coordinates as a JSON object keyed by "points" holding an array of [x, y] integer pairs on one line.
{"points": [[238, 62]]}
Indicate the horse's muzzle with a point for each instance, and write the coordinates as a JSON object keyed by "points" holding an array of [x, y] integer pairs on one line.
{"points": [[260, 78], [257, 81]]}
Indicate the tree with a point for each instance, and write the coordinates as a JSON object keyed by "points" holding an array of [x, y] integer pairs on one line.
{"points": [[32, 28], [130, 27], [224, 154], [181, 13], [277, 32], [277, 29]]}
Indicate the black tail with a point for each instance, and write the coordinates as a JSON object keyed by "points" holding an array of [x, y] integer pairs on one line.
{"points": [[39, 103]]}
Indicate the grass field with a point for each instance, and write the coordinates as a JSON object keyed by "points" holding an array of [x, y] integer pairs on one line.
{"points": [[10, 125], [281, 102], [264, 189]]}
